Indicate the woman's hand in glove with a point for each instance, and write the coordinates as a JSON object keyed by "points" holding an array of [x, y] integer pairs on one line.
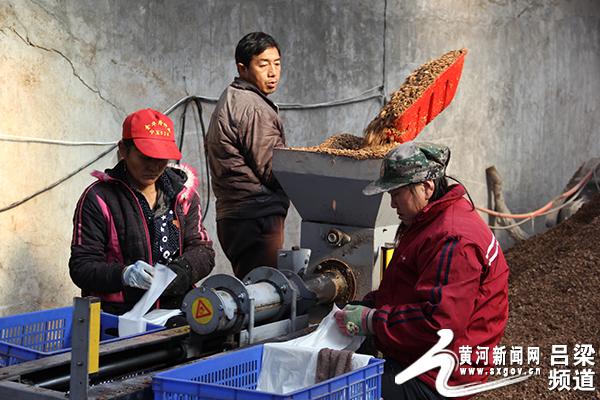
{"points": [[355, 320], [138, 275]]}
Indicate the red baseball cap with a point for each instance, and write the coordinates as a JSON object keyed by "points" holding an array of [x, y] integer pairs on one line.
{"points": [[153, 134]]}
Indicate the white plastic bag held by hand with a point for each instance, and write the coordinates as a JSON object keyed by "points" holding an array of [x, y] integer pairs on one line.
{"points": [[328, 335], [133, 322], [291, 365]]}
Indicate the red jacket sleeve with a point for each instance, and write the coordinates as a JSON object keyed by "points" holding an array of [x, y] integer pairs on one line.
{"points": [[446, 288]]}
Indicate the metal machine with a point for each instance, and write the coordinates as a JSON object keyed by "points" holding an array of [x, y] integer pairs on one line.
{"points": [[343, 228], [223, 313], [339, 260], [341, 234], [267, 302]]}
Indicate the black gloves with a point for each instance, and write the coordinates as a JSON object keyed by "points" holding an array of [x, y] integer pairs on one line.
{"points": [[183, 282]]}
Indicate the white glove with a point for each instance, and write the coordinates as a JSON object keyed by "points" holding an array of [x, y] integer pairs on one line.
{"points": [[138, 275]]}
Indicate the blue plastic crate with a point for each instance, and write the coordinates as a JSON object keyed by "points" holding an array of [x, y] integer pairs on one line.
{"points": [[234, 376], [40, 334]]}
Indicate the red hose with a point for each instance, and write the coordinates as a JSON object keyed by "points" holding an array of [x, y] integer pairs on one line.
{"points": [[543, 209]]}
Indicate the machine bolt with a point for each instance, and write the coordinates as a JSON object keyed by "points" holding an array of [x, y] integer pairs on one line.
{"points": [[202, 289], [241, 296], [283, 288], [332, 237], [335, 237], [79, 363], [184, 305], [81, 320]]}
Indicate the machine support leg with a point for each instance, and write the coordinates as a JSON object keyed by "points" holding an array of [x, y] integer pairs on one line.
{"points": [[85, 340], [293, 311], [251, 322]]}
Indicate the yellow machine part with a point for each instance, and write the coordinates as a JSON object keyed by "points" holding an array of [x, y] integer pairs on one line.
{"points": [[202, 310], [387, 251], [94, 342]]}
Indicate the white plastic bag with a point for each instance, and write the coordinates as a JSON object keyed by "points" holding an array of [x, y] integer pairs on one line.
{"points": [[292, 365], [133, 321], [160, 316]]}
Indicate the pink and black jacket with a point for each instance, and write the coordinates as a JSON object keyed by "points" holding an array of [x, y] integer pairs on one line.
{"points": [[111, 232]]}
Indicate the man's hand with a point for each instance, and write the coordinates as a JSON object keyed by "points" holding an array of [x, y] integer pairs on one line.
{"points": [[138, 275], [355, 320]]}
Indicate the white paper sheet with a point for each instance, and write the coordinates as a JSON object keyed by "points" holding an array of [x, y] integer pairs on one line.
{"points": [[160, 316], [133, 322], [292, 365]]}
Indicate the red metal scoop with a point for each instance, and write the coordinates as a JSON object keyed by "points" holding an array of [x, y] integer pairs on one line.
{"points": [[432, 102]]}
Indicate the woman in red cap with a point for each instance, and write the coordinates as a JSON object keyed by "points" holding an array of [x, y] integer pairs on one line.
{"points": [[137, 214]]}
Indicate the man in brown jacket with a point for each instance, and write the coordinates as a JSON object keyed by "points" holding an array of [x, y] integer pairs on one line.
{"points": [[244, 129]]}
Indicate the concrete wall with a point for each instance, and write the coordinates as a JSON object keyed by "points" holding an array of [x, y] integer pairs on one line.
{"points": [[72, 70]]}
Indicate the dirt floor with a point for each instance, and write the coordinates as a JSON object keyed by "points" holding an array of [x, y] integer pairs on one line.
{"points": [[554, 300]]}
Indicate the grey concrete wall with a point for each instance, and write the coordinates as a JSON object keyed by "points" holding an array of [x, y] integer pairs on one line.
{"points": [[72, 70]]}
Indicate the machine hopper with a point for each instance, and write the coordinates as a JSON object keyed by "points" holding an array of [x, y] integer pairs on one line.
{"points": [[343, 228]]}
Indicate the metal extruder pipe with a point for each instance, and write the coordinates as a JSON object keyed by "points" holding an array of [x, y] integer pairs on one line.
{"points": [[267, 300], [328, 286]]}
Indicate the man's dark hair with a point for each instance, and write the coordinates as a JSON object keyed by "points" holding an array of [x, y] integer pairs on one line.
{"points": [[252, 45]]}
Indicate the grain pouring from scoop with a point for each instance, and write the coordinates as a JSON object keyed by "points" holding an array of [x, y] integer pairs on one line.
{"points": [[381, 130], [348, 145]]}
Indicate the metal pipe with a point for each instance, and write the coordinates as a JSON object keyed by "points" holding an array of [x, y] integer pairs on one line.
{"points": [[328, 286], [267, 303], [127, 363], [229, 308], [267, 300]]}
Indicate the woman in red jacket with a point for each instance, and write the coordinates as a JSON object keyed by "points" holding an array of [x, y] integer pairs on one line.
{"points": [[447, 272]]}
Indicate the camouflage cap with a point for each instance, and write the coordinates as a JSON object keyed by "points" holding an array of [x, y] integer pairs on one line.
{"points": [[410, 163]]}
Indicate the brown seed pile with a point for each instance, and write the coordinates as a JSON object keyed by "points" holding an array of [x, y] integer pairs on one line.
{"points": [[381, 129], [348, 145], [554, 299]]}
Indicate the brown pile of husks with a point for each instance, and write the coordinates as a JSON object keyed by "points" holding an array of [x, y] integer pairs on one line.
{"points": [[347, 145], [381, 129], [554, 297]]}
